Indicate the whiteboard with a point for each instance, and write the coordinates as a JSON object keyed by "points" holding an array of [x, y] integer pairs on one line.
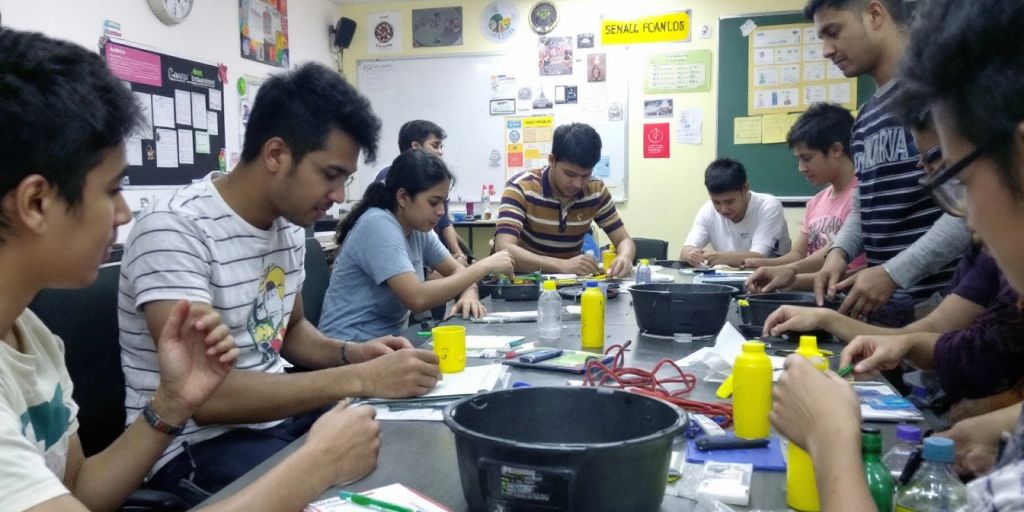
{"points": [[455, 92]]}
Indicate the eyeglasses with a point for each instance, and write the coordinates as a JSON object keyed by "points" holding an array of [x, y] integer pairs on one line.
{"points": [[933, 155], [350, 179], [946, 189]]}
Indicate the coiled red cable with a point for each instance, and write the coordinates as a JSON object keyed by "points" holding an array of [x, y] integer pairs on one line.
{"points": [[648, 383]]}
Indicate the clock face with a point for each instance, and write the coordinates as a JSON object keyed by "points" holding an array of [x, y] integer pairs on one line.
{"points": [[171, 11]]}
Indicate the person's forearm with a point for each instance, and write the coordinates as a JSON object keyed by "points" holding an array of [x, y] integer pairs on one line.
{"points": [[685, 253], [812, 263], [626, 249], [527, 261], [851, 236], [289, 485], [953, 313], [107, 478], [280, 395], [839, 472], [785, 259], [430, 294], [922, 350], [846, 328], [306, 346], [735, 259], [947, 239]]}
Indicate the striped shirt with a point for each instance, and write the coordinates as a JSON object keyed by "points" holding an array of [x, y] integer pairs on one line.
{"points": [[1003, 488], [530, 211], [191, 245], [894, 210]]}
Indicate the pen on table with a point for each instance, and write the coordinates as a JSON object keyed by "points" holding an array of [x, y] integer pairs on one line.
{"points": [[848, 369], [366, 501]]}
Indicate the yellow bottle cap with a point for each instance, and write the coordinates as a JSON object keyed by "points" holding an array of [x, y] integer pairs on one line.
{"points": [[753, 347], [549, 285], [808, 346], [644, 261]]}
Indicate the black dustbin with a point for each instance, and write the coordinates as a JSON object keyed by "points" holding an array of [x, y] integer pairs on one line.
{"points": [[563, 449]]}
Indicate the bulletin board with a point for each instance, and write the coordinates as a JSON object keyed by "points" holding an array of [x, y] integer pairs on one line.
{"points": [[475, 110], [771, 166], [182, 102]]}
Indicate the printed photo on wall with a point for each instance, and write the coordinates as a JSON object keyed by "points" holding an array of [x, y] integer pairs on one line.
{"points": [[541, 101], [585, 40], [263, 30], [437, 27], [554, 55], [658, 108], [596, 67]]}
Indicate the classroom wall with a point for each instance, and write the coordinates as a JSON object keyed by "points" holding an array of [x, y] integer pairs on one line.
{"points": [[210, 33], [664, 194]]}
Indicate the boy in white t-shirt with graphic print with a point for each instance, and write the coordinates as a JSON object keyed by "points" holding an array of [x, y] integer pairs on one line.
{"points": [[737, 223]]}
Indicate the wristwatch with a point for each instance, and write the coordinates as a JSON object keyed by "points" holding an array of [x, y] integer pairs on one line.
{"points": [[158, 423]]}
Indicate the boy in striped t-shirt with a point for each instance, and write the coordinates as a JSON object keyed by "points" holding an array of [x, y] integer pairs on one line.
{"points": [[909, 244], [544, 213]]}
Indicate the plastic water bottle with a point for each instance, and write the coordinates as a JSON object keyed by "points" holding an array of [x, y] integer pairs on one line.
{"points": [[935, 487], [752, 392], [908, 437], [485, 198], [880, 482], [592, 317], [643, 272], [801, 485], [549, 313]]}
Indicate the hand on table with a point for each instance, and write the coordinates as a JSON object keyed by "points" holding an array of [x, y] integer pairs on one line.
{"points": [[769, 279], [361, 352], [400, 374], [350, 437], [869, 290]]}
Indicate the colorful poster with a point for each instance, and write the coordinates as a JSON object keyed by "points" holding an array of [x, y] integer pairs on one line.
{"points": [[554, 55], [789, 72], [499, 21], [656, 140], [437, 27], [384, 32], [263, 31], [665, 28], [134, 65]]}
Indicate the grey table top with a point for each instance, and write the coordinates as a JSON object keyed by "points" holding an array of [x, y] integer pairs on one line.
{"points": [[421, 455]]}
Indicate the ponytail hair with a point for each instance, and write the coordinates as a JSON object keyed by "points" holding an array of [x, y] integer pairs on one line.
{"points": [[414, 171]]}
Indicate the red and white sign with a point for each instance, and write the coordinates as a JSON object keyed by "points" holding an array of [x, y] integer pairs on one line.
{"points": [[656, 140]]}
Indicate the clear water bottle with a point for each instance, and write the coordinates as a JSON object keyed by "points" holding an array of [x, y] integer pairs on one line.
{"points": [[485, 198], [643, 272], [549, 313], [908, 437], [935, 487]]}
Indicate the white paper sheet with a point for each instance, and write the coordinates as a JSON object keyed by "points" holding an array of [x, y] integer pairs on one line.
{"points": [[145, 129], [186, 154], [216, 100], [183, 107], [166, 148], [163, 111], [133, 150], [396, 494], [199, 110], [202, 143], [212, 126]]}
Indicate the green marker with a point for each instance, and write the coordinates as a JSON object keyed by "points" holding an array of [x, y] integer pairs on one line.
{"points": [[423, 334], [845, 371], [366, 501]]}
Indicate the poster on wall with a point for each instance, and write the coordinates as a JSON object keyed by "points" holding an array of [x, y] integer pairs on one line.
{"points": [[554, 55], [180, 139], [263, 30], [385, 32], [437, 27]]}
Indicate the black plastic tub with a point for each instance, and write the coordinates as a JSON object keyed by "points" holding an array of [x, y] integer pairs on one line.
{"points": [[696, 309], [513, 292], [563, 449], [762, 305]]}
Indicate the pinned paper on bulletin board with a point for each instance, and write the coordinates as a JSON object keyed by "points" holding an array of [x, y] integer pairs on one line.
{"points": [[678, 72], [774, 128], [656, 140], [527, 143], [747, 130]]}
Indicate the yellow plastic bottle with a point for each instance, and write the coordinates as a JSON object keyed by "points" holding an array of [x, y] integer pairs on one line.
{"points": [[752, 392], [592, 317], [801, 487], [607, 257]]}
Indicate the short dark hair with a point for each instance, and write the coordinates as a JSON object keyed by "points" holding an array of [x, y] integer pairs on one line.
{"points": [[821, 126], [418, 130], [577, 143], [966, 57], [61, 109], [414, 170], [895, 7], [725, 175], [302, 106]]}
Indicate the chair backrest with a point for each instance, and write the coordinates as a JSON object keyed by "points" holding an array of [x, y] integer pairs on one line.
{"points": [[86, 319], [318, 276], [651, 248]]}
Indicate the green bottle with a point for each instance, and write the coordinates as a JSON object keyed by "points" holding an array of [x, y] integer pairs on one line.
{"points": [[880, 481]]}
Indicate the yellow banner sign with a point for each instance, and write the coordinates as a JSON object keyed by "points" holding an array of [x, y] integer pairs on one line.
{"points": [[667, 28], [538, 121]]}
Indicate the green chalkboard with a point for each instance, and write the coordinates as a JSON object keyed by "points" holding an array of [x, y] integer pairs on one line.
{"points": [[771, 168]]}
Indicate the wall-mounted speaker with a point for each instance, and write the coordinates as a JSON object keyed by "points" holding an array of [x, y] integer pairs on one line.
{"points": [[342, 32]]}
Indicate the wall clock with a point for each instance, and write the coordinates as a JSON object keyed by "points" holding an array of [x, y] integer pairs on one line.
{"points": [[171, 12]]}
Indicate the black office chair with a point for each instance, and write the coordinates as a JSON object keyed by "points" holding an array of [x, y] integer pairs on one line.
{"points": [[86, 319], [651, 249], [318, 276]]}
